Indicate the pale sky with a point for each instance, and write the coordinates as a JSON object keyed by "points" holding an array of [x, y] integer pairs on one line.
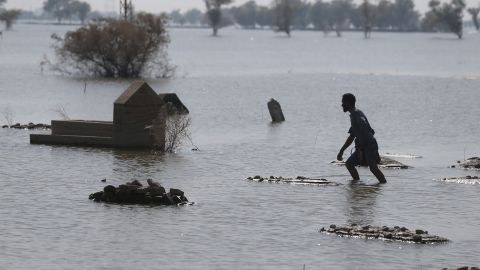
{"points": [[157, 6]]}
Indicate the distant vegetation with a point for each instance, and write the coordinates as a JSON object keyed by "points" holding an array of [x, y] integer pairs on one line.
{"points": [[66, 9], [8, 17], [116, 48], [334, 15], [214, 12], [449, 14], [286, 15]]}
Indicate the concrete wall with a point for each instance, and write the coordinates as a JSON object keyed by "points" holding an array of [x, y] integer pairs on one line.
{"points": [[82, 128]]}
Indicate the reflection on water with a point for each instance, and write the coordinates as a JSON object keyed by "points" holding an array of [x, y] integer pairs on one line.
{"points": [[144, 158], [361, 203], [136, 164]]}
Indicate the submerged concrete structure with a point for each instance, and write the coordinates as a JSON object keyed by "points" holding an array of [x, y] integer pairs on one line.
{"points": [[139, 117]]}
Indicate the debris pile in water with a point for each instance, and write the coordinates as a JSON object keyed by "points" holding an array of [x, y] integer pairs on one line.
{"points": [[299, 180], [135, 193], [384, 233], [28, 126]]}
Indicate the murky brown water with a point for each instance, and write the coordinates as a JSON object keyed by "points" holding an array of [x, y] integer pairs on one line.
{"points": [[420, 92]]}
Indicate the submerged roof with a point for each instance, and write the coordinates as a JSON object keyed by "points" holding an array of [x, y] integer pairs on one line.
{"points": [[175, 101], [139, 92]]}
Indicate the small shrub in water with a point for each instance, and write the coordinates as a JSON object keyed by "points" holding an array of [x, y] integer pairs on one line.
{"points": [[116, 48]]}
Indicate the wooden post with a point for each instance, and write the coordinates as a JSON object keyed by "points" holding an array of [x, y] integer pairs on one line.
{"points": [[275, 111]]}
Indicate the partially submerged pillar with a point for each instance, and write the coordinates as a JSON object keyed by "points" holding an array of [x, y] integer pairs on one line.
{"points": [[275, 111], [133, 115]]}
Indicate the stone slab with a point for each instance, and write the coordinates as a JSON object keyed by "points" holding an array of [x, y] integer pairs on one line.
{"points": [[82, 128], [385, 162], [385, 233], [469, 180], [71, 140]]}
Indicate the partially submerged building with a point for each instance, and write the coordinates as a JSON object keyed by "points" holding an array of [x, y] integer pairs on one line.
{"points": [[139, 117]]}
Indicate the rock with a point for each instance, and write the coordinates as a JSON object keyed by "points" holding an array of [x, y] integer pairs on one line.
{"points": [[97, 196], [176, 192], [475, 268], [463, 268], [257, 177], [28, 126], [155, 191], [471, 163], [104, 180], [177, 199], [275, 111], [417, 238], [386, 162], [135, 183], [383, 232], [109, 193], [134, 193], [471, 180], [109, 189], [152, 183]]}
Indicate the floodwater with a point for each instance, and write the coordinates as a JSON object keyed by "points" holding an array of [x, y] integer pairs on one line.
{"points": [[419, 91]]}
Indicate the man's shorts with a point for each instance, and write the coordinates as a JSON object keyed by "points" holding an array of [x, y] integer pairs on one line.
{"points": [[370, 157]]}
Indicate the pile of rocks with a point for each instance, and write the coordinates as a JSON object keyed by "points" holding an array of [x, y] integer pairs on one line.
{"points": [[28, 126], [471, 163], [385, 162], [135, 193], [384, 233], [299, 180], [465, 268]]}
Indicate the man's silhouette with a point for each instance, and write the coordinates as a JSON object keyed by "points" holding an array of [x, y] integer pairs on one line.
{"points": [[366, 147]]}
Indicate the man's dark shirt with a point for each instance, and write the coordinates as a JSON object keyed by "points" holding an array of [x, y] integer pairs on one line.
{"points": [[361, 130]]}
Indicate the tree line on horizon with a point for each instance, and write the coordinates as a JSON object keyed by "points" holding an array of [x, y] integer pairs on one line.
{"points": [[8, 16], [288, 15], [327, 16]]}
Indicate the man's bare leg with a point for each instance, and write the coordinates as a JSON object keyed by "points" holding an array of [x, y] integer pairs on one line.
{"points": [[376, 171], [353, 172]]}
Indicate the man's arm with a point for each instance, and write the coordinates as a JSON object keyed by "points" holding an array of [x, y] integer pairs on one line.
{"points": [[348, 142]]}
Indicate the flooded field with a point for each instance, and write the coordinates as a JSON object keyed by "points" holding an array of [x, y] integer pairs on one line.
{"points": [[419, 91]]}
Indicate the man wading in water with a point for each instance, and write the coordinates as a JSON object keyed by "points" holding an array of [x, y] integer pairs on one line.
{"points": [[366, 147]]}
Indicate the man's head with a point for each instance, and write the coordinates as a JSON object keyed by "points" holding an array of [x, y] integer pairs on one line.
{"points": [[348, 102]]}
